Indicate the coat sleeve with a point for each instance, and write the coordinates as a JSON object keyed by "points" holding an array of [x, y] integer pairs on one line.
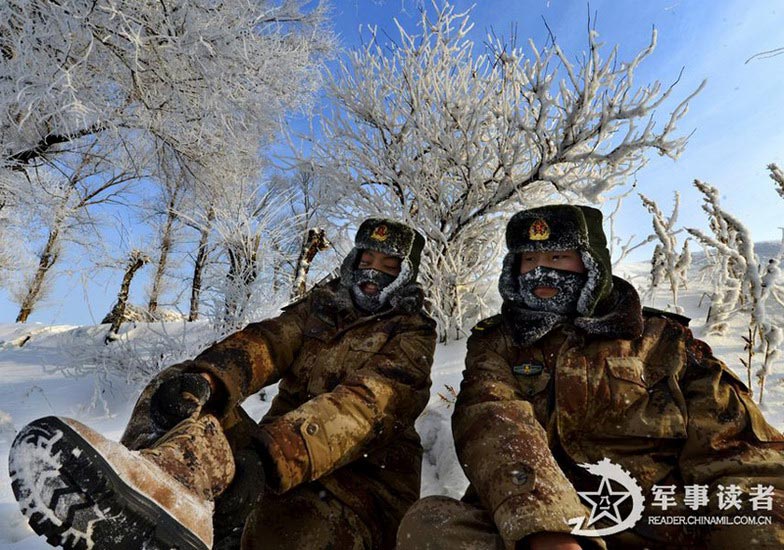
{"points": [[244, 363], [504, 450], [255, 356], [368, 408], [729, 442]]}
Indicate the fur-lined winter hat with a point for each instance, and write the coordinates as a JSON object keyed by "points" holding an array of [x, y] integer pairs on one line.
{"points": [[560, 227], [388, 237]]}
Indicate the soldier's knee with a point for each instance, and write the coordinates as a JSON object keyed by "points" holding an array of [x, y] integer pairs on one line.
{"points": [[424, 520]]}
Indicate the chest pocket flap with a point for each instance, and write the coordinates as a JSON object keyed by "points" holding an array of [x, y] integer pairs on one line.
{"points": [[369, 343], [630, 369], [643, 403]]}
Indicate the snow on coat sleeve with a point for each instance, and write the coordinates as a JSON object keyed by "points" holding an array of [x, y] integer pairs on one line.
{"points": [[369, 407], [729, 442], [244, 363], [255, 356], [504, 450]]}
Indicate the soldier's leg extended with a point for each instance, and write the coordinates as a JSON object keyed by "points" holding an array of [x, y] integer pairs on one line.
{"points": [[443, 523], [154, 490], [81, 490]]}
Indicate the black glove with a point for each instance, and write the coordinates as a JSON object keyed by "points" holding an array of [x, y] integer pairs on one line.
{"points": [[178, 398], [234, 505]]}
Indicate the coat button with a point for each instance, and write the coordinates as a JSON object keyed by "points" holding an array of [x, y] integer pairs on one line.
{"points": [[312, 429], [519, 478]]}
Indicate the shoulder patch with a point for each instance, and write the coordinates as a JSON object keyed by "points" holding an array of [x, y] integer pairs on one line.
{"points": [[488, 323], [653, 312]]}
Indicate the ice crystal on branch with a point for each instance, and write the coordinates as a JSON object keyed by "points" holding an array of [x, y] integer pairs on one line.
{"points": [[667, 262], [741, 281], [451, 140]]}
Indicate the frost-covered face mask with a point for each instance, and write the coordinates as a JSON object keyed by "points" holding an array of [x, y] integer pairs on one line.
{"points": [[367, 286], [568, 283]]}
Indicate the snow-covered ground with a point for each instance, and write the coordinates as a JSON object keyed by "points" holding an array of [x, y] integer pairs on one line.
{"points": [[34, 383]]}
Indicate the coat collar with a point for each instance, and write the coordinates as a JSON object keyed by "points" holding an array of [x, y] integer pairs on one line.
{"points": [[617, 316]]}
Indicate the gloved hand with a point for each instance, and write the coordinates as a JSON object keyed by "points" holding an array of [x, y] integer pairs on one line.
{"points": [[178, 398], [234, 505]]}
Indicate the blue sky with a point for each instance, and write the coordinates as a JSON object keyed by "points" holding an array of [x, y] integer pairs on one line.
{"points": [[738, 120]]}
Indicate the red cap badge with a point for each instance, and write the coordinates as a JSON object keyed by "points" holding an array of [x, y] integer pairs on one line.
{"points": [[539, 231], [380, 233]]}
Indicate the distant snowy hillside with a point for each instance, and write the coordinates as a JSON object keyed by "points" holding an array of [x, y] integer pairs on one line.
{"points": [[34, 384]]}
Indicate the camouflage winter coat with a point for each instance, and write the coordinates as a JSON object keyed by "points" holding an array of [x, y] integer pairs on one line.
{"points": [[639, 390], [350, 390]]}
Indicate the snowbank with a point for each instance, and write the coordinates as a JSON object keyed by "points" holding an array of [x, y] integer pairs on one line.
{"points": [[35, 382]]}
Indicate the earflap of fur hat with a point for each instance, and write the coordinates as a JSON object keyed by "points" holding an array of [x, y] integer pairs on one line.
{"points": [[596, 257], [507, 283], [589, 296], [348, 265]]}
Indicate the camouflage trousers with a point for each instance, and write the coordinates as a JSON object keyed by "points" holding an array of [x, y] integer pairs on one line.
{"points": [[443, 523], [307, 516], [247, 516]]}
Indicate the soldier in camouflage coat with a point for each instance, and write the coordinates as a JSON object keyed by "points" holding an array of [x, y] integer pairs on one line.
{"points": [[335, 463], [553, 383]]}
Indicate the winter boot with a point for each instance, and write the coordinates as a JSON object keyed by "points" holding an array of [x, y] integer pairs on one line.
{"points": [[82, 491]]}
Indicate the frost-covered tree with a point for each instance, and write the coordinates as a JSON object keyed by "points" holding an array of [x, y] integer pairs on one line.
{"points": [[734, 245], [174, 178], [308, 226], [135, 261], [449, 139], [205, 82], [200, 259], [246, 232], [619, 250], [314, 241], [726, 274], [197, 77], [668, 262], [66, 195], [10, 225]]}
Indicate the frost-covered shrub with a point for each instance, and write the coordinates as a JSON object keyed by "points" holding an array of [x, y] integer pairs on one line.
{"points": [[741, 281], [667, 262]]}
